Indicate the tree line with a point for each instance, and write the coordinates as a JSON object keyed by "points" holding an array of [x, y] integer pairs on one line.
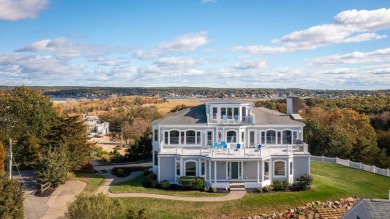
{"points": [[349, 128]]}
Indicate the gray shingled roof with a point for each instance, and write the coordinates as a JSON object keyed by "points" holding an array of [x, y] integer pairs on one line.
{"points": [[377, 208], [193, 115], [197, 115], [267, 116]]}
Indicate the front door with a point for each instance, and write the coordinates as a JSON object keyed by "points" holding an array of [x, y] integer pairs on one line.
{"points": [[234, 170]]}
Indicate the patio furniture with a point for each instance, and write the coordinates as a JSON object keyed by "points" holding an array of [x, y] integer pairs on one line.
{"points": [[258, 149], [238, 147]]}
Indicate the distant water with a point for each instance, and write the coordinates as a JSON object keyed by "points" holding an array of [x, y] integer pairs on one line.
{"points": [[71, 98]]}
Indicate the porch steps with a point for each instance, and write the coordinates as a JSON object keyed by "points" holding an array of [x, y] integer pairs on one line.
{"points": [[237, 186]]}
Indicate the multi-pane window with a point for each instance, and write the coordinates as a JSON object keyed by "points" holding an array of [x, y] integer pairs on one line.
{"points": [[178, 168], [271, 137], [251, 139], [166, 137], [209, 138], [155, 158], [231, 136], [174, 137], [280, 168], [190, 168], [203, 168], [286, 137], [156, 135], [291, 168]]}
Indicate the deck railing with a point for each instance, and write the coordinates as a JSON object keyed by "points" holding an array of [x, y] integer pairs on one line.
{"points": [[230, 119], [233, 152], [348, 163]]}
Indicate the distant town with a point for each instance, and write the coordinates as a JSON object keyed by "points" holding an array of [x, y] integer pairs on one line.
{"points": [[196, 92]]}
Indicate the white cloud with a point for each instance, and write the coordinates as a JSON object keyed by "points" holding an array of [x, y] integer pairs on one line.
{"points": [[63, 46], [251, 64], [187, 42], [21, 9], [348, 26], [380, 55], [102, 60], [364, 37]]}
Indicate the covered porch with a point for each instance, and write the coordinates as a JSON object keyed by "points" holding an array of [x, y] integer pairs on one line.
{"points": [[253, 173]]}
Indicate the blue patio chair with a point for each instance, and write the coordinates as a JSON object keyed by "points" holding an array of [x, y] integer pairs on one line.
{"points": [[238, 147], [216, 146], [224, 145]]}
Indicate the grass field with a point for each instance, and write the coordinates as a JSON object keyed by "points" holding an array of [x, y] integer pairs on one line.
{"points": [[331, 182], [93, 181], [135, 185]]}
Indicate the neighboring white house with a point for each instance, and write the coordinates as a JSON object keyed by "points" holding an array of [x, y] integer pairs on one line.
{"points": [[95, 126], [228, 141], [369, 209]]}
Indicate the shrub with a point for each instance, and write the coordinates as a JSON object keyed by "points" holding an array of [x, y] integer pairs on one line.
{"points": [[125, 171], [191, 183], [267, 188], [87, 167], [150, 181], [213, 189], [285, 185], [277, 185], [147, 172], [305, 181], [165, 184], [206, 188], [95, 206], [106, 158], [260, 189]]}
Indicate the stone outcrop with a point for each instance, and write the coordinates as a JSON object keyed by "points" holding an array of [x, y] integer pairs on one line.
{"points": [[313, 210]]}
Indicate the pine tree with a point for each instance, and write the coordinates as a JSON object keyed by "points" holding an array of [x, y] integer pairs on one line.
{"points": [[11, 198]]}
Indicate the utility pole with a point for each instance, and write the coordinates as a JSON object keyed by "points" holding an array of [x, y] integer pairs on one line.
{"points": [[10, 159]]}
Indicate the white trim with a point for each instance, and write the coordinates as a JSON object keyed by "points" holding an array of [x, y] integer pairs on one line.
{"points": [[185, 167], [273, 171]]}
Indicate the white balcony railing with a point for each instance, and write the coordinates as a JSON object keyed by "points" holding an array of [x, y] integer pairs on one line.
{"points": [[214, 119], [238, 153]]}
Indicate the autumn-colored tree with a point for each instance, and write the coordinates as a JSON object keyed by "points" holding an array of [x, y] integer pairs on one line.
{"points": [[340, 132]]}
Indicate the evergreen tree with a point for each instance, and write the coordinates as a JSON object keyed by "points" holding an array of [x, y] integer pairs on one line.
{"points": [[11, 198], [53, 166]]}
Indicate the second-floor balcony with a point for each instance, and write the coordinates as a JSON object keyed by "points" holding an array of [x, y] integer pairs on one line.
{"points": [[224, 119], [243, 152]]}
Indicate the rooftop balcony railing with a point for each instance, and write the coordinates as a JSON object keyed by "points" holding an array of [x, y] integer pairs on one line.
{"points": [[237, 153], [215, 119]]}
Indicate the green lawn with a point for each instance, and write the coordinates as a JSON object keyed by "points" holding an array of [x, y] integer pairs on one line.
{"points": [[331, 182], [135, 185], [93, 181]]}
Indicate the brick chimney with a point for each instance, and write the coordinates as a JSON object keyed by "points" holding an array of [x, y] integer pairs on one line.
{"points": [[292, 105]]}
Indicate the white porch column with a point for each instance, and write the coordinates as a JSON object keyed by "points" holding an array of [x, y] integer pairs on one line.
{"points": [[199, 168], [258, 170], [181, 167], [262, 170], [209, 164], [215, 171], [158, 171], [175, 168]]}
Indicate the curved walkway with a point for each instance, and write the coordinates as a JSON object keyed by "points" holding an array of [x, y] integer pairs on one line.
{"points": [[112, 180]]}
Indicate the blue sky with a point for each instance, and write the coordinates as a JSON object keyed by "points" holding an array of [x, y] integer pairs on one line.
{"points": [[310, 44]]}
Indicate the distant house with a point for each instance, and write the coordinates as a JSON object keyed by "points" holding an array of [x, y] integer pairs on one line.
{"points": [[95, 126], [228, 142], [369, 209]]}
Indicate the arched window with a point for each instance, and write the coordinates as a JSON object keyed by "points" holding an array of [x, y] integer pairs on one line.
{"points": [[190, 137], [190, 168], [231, 136], [286, 137], [271, 137], [280, 168], [174, 137]]}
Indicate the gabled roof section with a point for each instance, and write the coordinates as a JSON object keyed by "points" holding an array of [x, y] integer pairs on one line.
{"points": [[193, 115], [266, 116], [377, 208]]}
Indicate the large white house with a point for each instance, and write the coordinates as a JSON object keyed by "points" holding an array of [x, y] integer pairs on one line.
{"points": [[227, 141]]}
